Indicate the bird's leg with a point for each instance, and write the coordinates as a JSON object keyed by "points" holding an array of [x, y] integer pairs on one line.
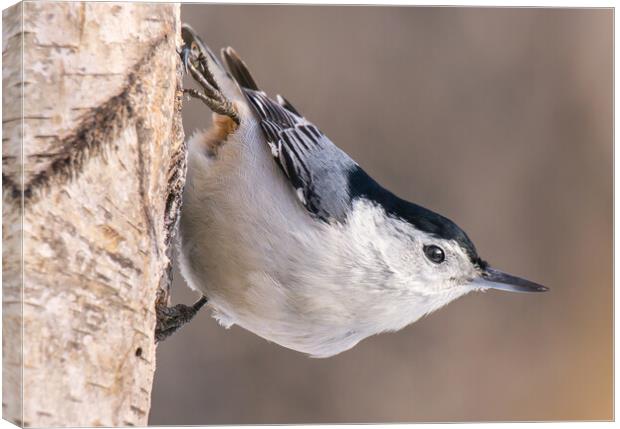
{"points": [[208, 88], [197, 94], [212, 95], [204, 68], [170, 319]]}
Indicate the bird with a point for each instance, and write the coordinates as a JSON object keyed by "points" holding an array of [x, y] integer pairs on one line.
{"points": [[286, 236]]}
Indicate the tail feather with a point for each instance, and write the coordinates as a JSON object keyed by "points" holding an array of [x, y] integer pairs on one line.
{"points": [[241, 74], [287, 105], [238, 69]]}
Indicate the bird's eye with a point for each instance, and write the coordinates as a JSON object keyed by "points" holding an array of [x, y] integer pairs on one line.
{"points": [[434, 254]]}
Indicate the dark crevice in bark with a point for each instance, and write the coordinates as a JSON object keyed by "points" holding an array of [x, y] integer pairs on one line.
{"points": [[98, 128]]}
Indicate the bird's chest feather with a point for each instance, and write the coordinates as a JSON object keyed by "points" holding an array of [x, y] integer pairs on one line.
{"points": [[267, 265], [239, 219]]}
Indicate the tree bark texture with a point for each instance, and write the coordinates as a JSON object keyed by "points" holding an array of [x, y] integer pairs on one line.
{"points": [[93, 165]]}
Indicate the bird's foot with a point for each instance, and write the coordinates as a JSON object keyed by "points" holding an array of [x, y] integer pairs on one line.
{"points": [[171, 319], [195, 62]]}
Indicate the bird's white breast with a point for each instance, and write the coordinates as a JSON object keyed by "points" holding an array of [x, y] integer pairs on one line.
{"points": [[265, 264]]}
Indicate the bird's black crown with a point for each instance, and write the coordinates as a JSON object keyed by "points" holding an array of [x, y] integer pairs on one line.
{"points": [[361, 185]]}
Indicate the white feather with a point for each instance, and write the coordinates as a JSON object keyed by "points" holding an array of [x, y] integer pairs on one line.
{"points": [[266, 265]]}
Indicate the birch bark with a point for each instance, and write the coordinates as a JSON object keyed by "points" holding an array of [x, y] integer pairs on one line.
{"points": [[93, 164]]}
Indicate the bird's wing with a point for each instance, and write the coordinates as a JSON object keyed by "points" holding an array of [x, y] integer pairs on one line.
{"points": [[316, 168]]}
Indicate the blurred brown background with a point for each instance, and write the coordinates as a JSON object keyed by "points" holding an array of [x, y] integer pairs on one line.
{"points": [[500, 119]]}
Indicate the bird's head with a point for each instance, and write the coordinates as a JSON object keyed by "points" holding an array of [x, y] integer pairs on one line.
{"points": [[443, 257], [428, 253]]}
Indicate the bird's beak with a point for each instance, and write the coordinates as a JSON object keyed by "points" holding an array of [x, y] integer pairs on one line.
{"points": [[496, 279]]}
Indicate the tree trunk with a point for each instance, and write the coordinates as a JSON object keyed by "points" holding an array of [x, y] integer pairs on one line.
{"points": [[93, 164]]}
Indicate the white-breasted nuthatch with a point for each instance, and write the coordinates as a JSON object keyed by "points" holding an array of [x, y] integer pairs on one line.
{"points": [[289, 238]]}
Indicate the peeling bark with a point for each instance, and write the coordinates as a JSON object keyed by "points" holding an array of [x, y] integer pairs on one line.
{"points": [[92, 171]]}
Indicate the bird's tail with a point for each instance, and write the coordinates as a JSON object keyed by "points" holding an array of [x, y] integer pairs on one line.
{"points": [[241, 74], [239, 70]]}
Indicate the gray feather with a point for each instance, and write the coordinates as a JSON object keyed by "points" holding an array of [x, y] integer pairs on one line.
{"points": [[316, 168]]}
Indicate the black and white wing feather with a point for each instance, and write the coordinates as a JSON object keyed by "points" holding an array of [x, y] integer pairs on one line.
{"points": [[325, 179], [316, 168]]}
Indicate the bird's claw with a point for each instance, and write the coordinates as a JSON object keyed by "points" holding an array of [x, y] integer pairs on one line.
{"points": [[194, 58], [185, 53], [171, 319]]}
